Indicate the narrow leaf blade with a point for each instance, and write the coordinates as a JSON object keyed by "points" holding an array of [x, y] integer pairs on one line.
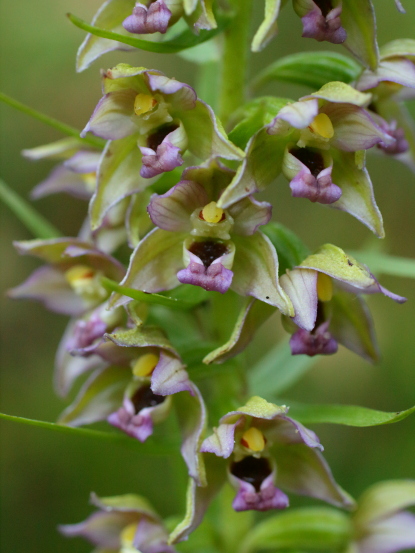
{"points": [[31, 219]]}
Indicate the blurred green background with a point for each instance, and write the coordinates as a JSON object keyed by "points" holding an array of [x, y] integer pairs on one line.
{"points": [[46, 477]]}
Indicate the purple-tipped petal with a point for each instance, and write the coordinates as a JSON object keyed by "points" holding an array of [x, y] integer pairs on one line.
{"points": [[222, 441], [154, 19], [172, 210], [400, 146], [297, 114], [215, 277], [112, 118], [317, 342], [254, 479], [301, 287], [170, 377], [324, 25], [166, 158], [182, 96], [62, 179]]}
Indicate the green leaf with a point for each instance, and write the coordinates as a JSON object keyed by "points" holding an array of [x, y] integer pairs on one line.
{"points": [[313, 69], [184, 40], [253, 116], [349, 415], [290, 249], [66, 129], [149, 448], [387, 264], [312, 528], [32, 220], [137, 295], [277, 371]]}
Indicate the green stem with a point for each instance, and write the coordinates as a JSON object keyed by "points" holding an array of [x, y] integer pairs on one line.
{"points": [[235, 59], [66, 129], [33, 221]]}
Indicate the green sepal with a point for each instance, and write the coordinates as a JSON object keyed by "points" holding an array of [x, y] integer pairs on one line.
{"points": [[252, 315], [253, 116], [348, 415], [313, 69], [358, 18], [118, 176], [290, 249], [186, 39], [313, 528], [99, 396], [357, 197], [352, 326], [268, 28], [261, 166]]}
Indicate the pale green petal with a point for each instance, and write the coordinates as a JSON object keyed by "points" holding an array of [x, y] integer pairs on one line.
{"points": [[268, 28], [206, 135], [125, 503], [397, 48], [155, 263], [260, 408], [255, 270]]}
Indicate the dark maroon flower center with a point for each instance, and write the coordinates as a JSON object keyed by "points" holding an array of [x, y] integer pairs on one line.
{"points": [[252, 470], [313, 160], [144, 397], [208, 250], [325, 6], [156, 138]]}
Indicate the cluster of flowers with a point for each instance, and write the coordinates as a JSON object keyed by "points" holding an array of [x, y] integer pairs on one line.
{"points": [[201, 227]]}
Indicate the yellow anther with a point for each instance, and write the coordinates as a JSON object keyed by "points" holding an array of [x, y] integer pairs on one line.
{"points": [[253, 439], [78, 275], [143, 103], [322, 125], [128, 534], [324, 287], [145, 364], [211, 213]]}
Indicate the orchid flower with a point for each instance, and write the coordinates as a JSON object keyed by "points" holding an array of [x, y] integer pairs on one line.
{"points": [[142, 379], [317, 143], [123, 524], [198, 243], [391, 83], [325, 315], [70, 283]]}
